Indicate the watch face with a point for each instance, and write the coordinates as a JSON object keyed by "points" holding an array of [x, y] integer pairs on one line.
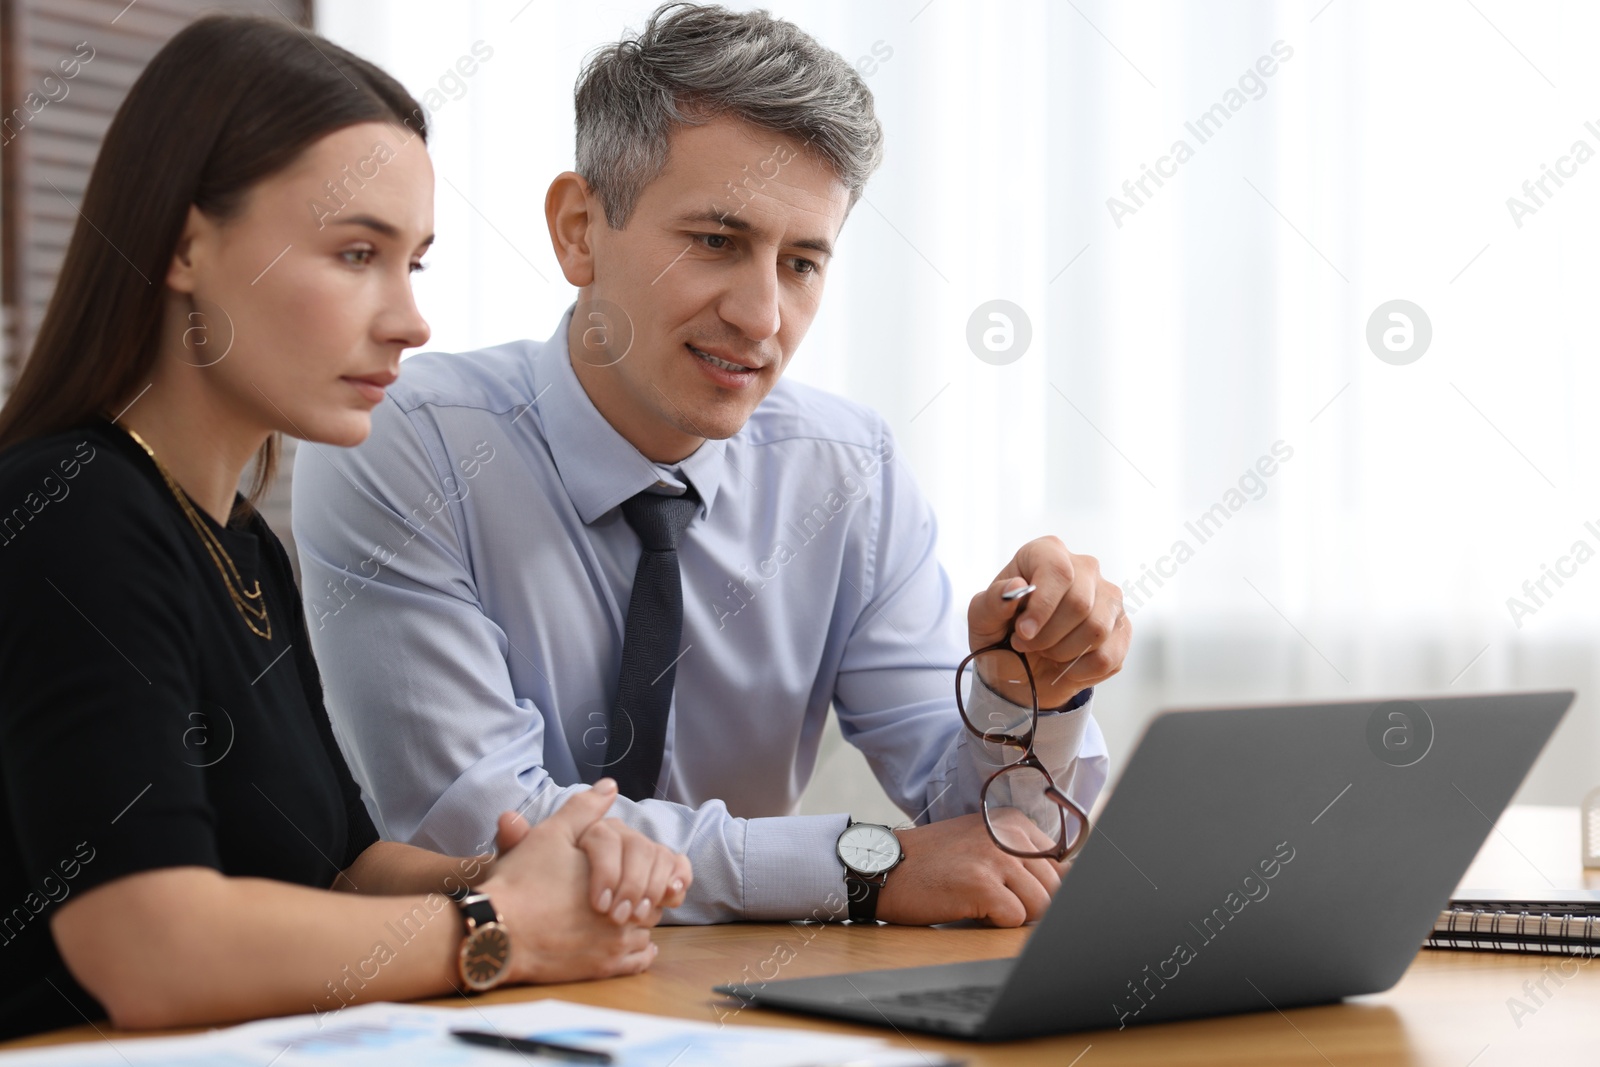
{"points": [[868, 848], [485, 957]]}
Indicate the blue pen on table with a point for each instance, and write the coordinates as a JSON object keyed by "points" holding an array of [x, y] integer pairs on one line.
{"points": [[570, 1053]]}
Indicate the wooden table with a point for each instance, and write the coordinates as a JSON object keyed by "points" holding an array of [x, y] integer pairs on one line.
{"points": [[1451, 1009]]}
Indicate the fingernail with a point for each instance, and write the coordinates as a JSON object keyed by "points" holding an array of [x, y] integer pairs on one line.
{"points": [[605, 900], [606, 784], [644, 906], [622, 911], [677, 885], [1027, 628]]}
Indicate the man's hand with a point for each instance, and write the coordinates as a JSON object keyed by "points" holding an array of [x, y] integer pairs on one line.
{"points": [[1072, 627], [952, 870], [541, 886]]}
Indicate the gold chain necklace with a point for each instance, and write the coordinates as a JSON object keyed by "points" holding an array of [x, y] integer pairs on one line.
{"points": [[242, 599]]}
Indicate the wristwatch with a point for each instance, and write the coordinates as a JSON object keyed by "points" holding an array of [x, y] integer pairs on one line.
{"points": [[869, 851], [485, 958]]}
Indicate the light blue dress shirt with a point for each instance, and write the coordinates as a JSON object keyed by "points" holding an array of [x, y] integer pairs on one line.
{"points": [[467, 572]]}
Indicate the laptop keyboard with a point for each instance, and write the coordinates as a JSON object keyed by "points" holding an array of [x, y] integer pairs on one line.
{"points": [[964, 1000]]}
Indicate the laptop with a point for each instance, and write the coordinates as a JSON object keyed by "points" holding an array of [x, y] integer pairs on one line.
{"points": [[1248, 859]]}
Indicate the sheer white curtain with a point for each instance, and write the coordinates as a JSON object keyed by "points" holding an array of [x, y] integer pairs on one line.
{"points": [[1207, 328]]}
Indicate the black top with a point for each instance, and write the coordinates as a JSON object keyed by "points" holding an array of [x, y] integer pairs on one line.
{"points": [[142, 724]]}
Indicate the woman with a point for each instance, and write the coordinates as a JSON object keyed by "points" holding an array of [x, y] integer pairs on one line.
{"points": [[174, 808]]}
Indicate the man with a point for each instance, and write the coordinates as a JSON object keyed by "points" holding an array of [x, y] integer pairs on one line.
{"points": [[633, 550]]}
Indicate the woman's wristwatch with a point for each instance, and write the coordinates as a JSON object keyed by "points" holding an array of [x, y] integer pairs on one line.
{"points": [[869, 851], [485, 959]]}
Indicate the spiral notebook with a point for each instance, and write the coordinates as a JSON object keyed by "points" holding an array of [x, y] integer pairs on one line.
{"points": [[1559, 922]]}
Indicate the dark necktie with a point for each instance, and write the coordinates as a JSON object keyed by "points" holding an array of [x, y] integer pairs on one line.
{"points": [[638, 732]]}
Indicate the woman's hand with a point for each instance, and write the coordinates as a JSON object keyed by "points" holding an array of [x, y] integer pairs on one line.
{"points": [[541, 885], [631, 878]]}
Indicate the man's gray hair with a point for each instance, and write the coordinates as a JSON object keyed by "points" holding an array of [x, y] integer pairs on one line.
{"points": [[693, 63]]}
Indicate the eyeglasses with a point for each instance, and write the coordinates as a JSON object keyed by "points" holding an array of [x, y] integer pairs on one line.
{"points": [[1037, 823]]}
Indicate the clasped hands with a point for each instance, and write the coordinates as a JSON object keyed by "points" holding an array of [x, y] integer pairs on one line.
{"points": [[580, 892]]}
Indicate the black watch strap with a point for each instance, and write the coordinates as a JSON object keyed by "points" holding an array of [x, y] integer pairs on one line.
{"points": [[863, 896], [475, 906]]}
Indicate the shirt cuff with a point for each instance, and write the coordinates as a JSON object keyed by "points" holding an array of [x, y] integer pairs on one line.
{"points": [[1060, 737], [1083, 697], [1057, 738], [792, 869], [985, 699]]}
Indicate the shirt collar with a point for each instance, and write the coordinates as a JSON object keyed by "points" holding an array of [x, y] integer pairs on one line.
{"points": [[598, 467]]}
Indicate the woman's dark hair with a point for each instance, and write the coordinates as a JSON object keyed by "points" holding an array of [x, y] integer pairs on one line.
{"points": [[227, 102]]}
